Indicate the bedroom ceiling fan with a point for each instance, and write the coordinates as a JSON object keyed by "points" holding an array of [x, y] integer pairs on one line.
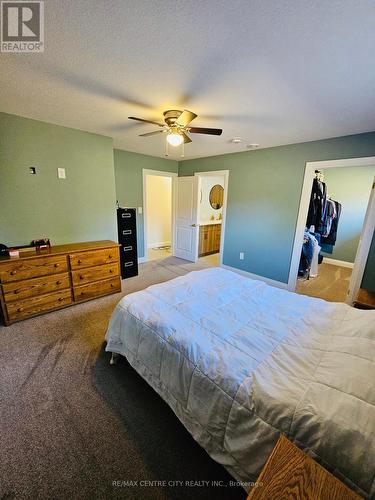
{"points": [[176, 126]]}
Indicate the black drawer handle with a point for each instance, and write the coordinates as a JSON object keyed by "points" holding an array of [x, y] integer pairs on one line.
{"points": [[127, 249], [127, 232], [58, 282], [61, 299], [110, 271], [13, 273], [126, 216], [79, 261], [110, 257], [56, 265], [128, 264], [81, 277], [20, 309]]}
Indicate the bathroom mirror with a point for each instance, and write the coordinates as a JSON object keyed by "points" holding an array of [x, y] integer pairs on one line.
{"points": [[216, 196]]}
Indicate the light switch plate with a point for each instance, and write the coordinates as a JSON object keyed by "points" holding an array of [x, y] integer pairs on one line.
{"points": [[61, 173], [242, 255], [140, 210]]}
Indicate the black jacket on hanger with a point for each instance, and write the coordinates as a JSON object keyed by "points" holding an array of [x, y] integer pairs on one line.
{"points": [[317, 204]]}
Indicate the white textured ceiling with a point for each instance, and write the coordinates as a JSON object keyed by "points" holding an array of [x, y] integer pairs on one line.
{"points": [[270, 71]]}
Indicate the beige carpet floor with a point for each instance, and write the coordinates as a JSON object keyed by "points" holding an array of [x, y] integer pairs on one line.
{"points": [[331, 284], [74, 427]]}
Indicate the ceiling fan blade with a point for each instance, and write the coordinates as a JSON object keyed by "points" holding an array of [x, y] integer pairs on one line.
{"points": [[185, 118], [205, 130], [186, 138], [151, 133], [146, 121]]}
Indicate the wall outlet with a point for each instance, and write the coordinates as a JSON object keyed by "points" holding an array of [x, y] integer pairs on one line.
{"points": [[32, 170], [140, 210], [61, 173], [242, 255]]}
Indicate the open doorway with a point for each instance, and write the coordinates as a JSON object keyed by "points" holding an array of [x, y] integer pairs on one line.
{"points": [[194, 213], [212, 191], [158, 220], [335, 223]]}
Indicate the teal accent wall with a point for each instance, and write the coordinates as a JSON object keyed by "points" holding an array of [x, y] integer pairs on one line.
{"points": [[368, 281], [351, 187], [129, 182], [263, 198], [79, 208]]}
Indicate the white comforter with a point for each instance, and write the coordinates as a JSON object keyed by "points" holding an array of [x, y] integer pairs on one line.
{"points": [[240, 361]]}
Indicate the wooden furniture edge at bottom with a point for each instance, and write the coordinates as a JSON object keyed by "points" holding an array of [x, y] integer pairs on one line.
{"points": [[282, 441], [72, 303]]}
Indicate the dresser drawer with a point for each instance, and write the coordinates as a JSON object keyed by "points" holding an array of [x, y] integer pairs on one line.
{"points": [[97, 258], [37, 286], [36, 305], [83, 276], [97, 289], [32, 268]]}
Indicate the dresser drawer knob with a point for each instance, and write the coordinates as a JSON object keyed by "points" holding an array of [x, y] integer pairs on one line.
{"points": [[16, 291], [20, 309], [13, 273], [58, 282], [112, 285], [61, 299], [81, 277], [110, 271], [56, 265], [79, 261], [109, 256]]}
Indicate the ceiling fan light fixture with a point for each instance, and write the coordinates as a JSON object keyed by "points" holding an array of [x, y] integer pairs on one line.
{"points": [[175, 138]]}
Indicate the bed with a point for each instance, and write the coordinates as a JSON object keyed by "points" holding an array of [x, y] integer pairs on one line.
{"points": [[240, 362]]}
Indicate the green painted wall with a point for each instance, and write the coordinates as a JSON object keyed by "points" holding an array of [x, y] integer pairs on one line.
{"points": [[368, 281], [351, 187], [129, 182], [263, 198], [80, 208]]}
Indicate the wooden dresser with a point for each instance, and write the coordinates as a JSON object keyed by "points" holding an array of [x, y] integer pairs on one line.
{"points": [[36, 283], [290, 474], [209, 239]]}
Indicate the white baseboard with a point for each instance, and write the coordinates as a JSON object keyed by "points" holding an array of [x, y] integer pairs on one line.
{"points": [[161, 244], [269, 281], [335, 262]]}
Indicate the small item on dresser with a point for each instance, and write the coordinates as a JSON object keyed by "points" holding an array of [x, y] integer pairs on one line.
{"points": [[41, 244], [14, 253]]}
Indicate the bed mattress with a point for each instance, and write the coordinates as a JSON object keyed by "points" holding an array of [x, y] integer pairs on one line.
{"points": [[240, 362]]}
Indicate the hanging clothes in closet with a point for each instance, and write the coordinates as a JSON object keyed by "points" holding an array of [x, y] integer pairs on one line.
{"points": [[330, 239], [321, 227]]}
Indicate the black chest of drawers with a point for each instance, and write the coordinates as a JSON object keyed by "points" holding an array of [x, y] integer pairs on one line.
{"points": [[127, 237]]}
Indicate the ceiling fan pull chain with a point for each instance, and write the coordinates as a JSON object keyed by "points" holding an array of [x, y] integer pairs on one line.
{"points": [[166, 148], [183, 150]]}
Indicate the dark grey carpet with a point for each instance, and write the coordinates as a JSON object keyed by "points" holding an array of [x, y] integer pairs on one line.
{"points": [[71, 424]]}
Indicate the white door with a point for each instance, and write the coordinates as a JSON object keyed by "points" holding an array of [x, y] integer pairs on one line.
{"points": [[185, 241], [363, 249]]}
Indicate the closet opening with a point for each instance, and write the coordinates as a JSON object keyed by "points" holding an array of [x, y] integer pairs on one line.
{"points": [[336, 219], [158, 219], [211, 211]]}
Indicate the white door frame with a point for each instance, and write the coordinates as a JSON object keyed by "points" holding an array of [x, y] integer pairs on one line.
{"points": [[160, 173], [225, 174], [367, 229]]}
